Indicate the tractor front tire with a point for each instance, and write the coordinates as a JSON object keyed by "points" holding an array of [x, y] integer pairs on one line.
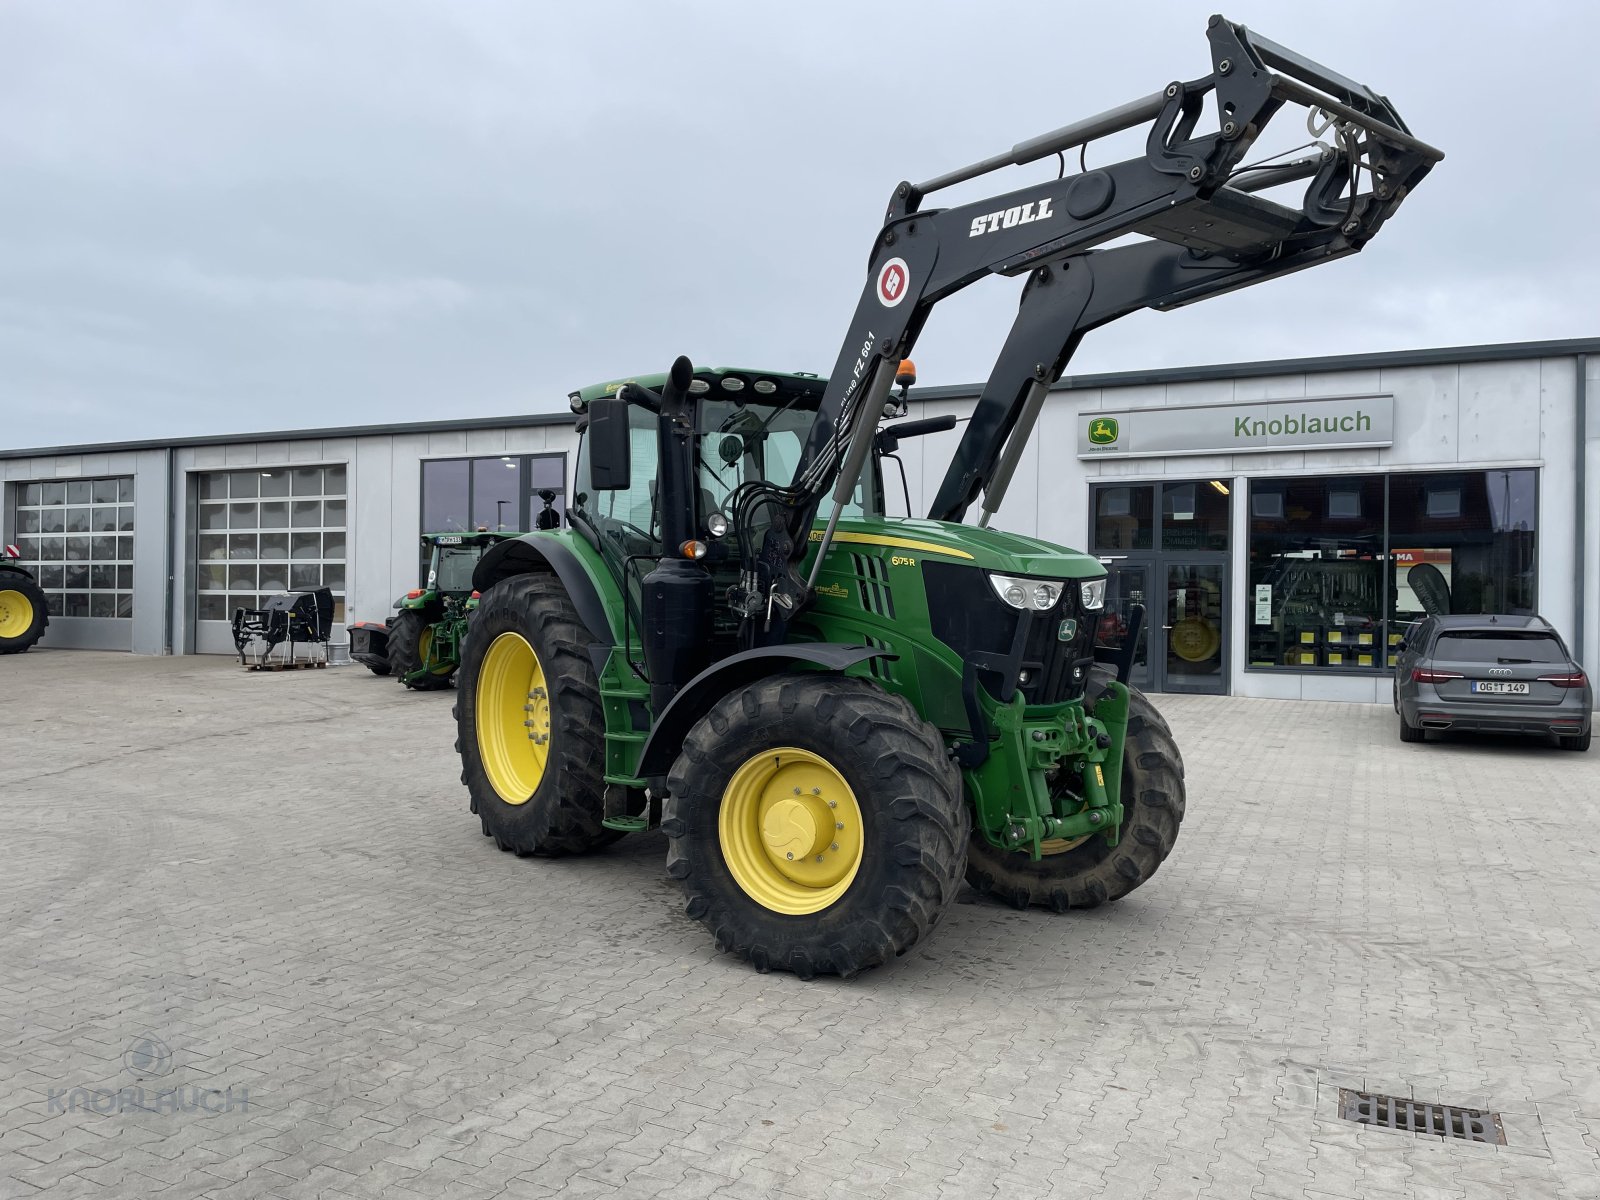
{"points": [[530, 730], [408, 650], [816, 824], [1087, 873], [24, 612]]}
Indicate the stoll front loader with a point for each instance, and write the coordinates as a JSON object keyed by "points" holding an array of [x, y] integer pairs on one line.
{"points": [[835, 715]]}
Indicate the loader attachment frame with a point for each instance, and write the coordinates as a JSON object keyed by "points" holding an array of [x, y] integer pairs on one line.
{"points": [[1206, 230]]}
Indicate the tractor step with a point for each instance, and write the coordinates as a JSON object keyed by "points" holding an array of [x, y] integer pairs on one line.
{"points": [[614, 814]]}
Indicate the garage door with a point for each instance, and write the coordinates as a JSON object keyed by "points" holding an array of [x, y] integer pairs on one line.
{"points": [[258, 533], [76, 536]]}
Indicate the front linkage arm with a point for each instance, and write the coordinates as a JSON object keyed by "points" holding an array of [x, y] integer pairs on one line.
{"points": [[1207, 229]]}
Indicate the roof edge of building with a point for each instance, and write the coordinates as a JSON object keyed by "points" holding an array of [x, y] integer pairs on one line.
{"points": [[301, 435], [1432, 356]]}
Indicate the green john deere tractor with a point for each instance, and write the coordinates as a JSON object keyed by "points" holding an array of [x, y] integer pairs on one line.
{"points": [[24, 608], [835, 715], [421, 645]]}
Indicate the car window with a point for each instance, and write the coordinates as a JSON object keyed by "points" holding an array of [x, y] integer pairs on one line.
{"points": [[1472, 645]]}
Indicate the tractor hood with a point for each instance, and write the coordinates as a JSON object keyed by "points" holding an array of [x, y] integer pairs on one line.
{"points": [[988, 549]]}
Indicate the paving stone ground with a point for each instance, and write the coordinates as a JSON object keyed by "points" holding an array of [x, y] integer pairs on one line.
{"points": [[252, 944]]}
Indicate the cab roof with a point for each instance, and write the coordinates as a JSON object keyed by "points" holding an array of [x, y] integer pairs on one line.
{"points": [[744, 382]]}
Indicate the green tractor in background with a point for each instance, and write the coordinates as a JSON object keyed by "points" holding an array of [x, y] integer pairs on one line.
{"points": [[421, 645], [24, 609]]}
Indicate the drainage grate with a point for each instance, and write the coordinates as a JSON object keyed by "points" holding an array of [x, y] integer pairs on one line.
{"points": [[1411, 1116]]}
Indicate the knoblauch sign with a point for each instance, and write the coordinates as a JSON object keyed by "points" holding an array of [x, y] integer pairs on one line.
{"points": [[1325, 423]]}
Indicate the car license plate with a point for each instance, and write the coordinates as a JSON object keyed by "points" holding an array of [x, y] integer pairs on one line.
{"points": [[1501, 689]]}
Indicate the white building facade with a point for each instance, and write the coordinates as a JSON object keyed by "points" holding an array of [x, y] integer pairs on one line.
{"points": [[1280, 522]]}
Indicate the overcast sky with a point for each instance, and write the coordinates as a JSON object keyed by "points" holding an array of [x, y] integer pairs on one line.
{"points": [[227, 216]]}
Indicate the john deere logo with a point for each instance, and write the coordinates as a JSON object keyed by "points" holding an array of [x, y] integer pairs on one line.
{"points": [[1103, 431], [1068, 630]]}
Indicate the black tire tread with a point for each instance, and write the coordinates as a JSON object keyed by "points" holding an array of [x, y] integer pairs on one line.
{"points": [[1093, 874], [564, 816], [1410, 732], [914, 784]]}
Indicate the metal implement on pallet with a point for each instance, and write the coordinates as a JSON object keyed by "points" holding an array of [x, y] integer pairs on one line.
{"points": [[284, 624], [836, 715]]}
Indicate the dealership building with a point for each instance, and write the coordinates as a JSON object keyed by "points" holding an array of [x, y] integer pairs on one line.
{"points": [[1281, 522]]}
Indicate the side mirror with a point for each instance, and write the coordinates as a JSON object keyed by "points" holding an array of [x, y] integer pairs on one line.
{"points": [[610, 444]]}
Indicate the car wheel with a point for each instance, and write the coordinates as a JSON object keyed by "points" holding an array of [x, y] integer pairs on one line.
{"points": [[1410, 732]]}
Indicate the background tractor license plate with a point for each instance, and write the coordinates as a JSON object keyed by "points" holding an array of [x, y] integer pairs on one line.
{"points": [[1502, 689]]}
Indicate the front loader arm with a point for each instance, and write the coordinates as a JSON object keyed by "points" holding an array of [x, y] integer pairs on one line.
{"points": [[1206, 231]]}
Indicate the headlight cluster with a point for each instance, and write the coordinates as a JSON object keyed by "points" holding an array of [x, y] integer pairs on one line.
{"points": [[1037, 594], [1041, 595]]}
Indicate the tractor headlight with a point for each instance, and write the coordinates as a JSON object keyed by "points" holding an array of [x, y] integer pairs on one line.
{"points": [[716, 525], [1093, 593], [1037, 594]]}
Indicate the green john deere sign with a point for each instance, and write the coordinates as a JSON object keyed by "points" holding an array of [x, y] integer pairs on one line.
{"points": [[1103, 431]]}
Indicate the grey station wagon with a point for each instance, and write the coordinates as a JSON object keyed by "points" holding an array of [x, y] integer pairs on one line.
{"points": [[1491, 674]]}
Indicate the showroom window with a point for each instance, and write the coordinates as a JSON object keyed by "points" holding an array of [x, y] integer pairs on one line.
{"points": [[498, 492], [76, 536], [1339, 567], [259, 533], [1462, 543]]}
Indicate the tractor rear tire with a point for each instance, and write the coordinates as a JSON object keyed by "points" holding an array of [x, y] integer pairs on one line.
{"points": [[1089, 873], [816, 824], [408, 650], [24, 612], [525, 677]]}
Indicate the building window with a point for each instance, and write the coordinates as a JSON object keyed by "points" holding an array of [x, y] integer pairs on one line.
{"points": [[446, 495], [1462, 542], [259, 533], [547, 473], [1194, 516], [497, 494], [76, 536], [1316, 572], [1124, 517], [1339, 567], [491, 492]]}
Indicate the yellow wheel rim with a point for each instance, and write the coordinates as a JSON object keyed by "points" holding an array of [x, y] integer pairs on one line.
{"points": [[513, 718], [1194, 639], [16, 614], [425, 651], [791, 831], [1062, 845]]}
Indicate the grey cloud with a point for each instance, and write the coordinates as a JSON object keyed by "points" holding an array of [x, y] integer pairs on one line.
{"points": [[223, 216]]}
